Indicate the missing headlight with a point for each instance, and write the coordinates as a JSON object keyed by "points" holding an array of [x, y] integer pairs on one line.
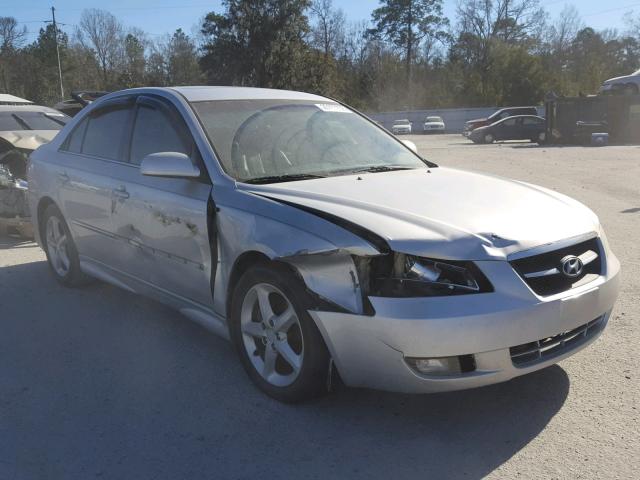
{"points": [[400, 275]]}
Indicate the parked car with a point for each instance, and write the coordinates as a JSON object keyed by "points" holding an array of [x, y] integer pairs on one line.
{"points": [[434, 125], [6, 99], [318, 243], [78, 101], [626, 85], [401, 127], [521, 127], [23, 128], [498, 115]]}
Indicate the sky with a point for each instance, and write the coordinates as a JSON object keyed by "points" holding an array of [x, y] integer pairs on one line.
{"points": [[158, 17]]}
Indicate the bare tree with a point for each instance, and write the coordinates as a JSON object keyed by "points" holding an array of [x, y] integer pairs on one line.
{"points": [[507, 20], [329, 29], [11, 39], [564, 30], [101, 32], [11, 36]]}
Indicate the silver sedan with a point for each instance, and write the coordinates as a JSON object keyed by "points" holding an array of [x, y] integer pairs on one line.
{"points": [[319, 243]]}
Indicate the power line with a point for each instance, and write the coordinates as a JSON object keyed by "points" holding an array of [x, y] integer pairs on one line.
{"points": [[616, 9]]}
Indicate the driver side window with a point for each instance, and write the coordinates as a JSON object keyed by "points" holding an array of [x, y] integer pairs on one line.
{"points": [[154, 131]]}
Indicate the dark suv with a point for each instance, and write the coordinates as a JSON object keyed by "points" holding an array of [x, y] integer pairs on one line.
{"points": [[496, 116]]}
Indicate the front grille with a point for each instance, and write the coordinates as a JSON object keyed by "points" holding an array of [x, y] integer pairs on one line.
{"points": [[543, 273], [541, 350]]}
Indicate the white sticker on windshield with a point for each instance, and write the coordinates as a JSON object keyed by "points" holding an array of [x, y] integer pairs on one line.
{"points": [[332, 107]]}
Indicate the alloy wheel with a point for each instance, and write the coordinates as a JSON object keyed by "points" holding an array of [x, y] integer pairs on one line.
{"points": [[57, 244], [271, 334]]}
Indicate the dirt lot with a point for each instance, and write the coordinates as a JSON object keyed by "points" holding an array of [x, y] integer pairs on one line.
{"points": [[100, 383]]}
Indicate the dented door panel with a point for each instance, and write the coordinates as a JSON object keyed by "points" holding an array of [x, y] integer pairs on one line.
{"points": [[161, 226]]}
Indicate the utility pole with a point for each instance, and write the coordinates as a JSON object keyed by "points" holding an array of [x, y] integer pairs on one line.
{"points": [[55, 31]]}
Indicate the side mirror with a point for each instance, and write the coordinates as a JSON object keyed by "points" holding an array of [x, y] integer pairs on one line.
{"points": [[410, 145], [169, 164]]}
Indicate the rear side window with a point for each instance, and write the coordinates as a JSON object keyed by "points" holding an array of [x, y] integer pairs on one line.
{"points": [[531, 121], [155, 131], [9, 122], [105, 131], [43, 121], [74, 141]]}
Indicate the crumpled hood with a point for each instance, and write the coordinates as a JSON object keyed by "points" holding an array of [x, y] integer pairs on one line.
{"points": [[28, 139], [446, 213]]}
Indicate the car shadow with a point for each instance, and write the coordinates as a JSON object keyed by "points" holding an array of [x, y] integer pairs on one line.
{"points": [[9, 241], [99, 382], [631, 210]]}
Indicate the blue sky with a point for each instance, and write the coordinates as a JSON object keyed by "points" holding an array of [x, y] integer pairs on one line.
{"points": [[158, 17]]}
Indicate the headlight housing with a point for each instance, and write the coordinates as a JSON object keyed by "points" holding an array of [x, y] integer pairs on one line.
{"points": [[400, 275]]}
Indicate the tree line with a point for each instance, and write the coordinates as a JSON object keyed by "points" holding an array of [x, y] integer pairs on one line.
{"points": [[408, 56]]}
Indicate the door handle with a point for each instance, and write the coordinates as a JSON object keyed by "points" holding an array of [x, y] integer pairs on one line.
{"points": [[121, 192]]}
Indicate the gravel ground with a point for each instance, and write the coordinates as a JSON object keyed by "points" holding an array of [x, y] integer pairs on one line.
{"points": [[98, 383]]}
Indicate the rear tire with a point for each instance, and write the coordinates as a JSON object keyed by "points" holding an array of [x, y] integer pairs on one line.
{"points": [[279, 345], [60, 249]]}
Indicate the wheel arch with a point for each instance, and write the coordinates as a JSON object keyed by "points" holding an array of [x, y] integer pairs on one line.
{"points": [[43, 204], [244, 261]]}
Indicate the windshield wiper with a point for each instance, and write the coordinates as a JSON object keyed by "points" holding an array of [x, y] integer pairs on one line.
{"points": [[377, 168], [283, 178]]}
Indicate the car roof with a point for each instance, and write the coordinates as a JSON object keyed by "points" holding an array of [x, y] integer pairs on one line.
{"points": [[519, 116], [27, 108], [12, 100], [515, 108], [208, 93], [402, 120]]}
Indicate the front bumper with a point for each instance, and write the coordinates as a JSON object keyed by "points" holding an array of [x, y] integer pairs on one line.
{"points": [[14, 212], [370, 351]]}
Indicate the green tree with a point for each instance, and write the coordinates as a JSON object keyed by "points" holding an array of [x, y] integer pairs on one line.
{"points": [[406, 23], [134, 61], [182, 60], [256, 42]]}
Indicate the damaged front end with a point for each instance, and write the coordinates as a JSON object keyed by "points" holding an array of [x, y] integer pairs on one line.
{"points": [[14, 209]]}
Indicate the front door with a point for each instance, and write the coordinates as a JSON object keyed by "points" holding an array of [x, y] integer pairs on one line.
{"points": [[164, 220]]}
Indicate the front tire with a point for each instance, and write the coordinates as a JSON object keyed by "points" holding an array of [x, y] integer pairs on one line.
{"points": [[489, 138], [60, 249], [278, 342]]}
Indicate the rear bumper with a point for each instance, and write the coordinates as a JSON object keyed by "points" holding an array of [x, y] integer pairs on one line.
{"points": [[370, 351]]}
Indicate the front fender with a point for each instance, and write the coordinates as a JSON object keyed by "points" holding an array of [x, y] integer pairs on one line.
{"points": [[319, 250]]}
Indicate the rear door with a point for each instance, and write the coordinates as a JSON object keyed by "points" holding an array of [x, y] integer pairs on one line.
{"points": [[164, 220], [532, 127], [86, 170], [507, 129]]}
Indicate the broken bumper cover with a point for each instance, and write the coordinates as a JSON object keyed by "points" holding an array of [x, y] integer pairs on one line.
{"points": [[14, 211], [371, 351]]}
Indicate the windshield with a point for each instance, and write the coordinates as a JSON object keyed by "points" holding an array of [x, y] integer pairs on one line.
{"points": [[261, 139], [434, 119], [401, 122], [31, 121]]}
